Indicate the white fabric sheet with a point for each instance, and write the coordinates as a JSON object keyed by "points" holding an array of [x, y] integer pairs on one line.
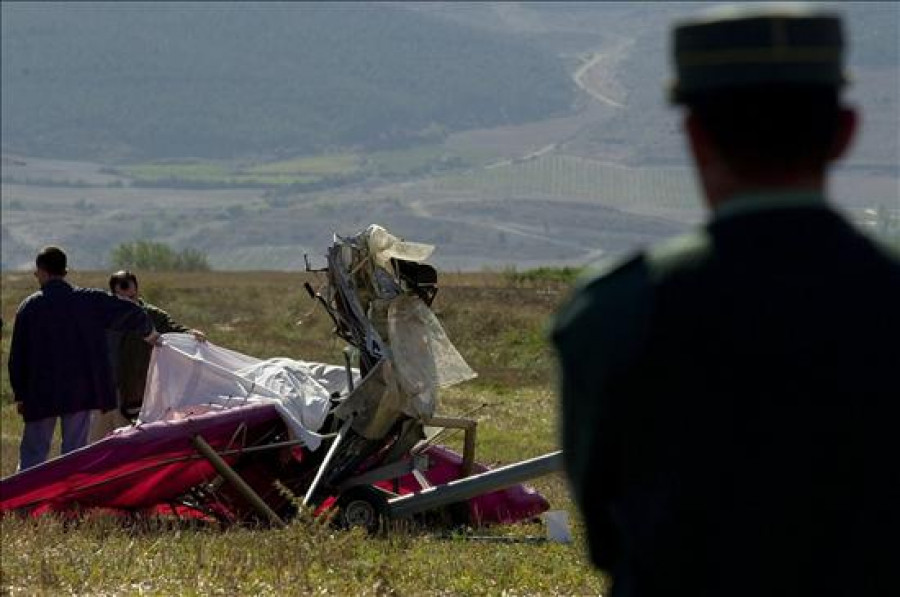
{"points": [[188, 377], [423, 356]]}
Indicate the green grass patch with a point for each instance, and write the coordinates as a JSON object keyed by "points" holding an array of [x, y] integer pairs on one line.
{"points": [[424, 159], [544, 275], [204, 171], [210, 174], [322, 165], [328, 168], [49, 557]]}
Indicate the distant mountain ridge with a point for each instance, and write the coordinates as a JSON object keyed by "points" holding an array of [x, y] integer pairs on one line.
{"points": [[609, 177], [150, 80]]}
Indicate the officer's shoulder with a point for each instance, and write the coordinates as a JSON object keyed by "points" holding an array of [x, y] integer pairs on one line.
{"points": [[682, 253], [600, 293], [638, 269], [624, 288], [611, 274], [890, 250]]}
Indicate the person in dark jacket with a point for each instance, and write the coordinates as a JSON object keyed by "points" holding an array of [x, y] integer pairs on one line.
{"points": [[730, 399], [58, 368], [131, 356]]}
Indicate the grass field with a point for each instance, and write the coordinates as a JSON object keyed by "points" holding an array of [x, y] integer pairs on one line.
{"points": [[497, 322], [388, 163], [209, 173]]}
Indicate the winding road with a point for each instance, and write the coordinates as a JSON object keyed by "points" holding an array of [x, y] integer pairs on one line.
{"points": [[613, 54]]}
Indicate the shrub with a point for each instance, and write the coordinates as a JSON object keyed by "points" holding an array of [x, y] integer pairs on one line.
{"points": [[543, 275], [150, 256]]}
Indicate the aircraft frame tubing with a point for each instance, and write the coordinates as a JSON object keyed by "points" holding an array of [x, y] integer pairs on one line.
{"points": [[473, 486]]}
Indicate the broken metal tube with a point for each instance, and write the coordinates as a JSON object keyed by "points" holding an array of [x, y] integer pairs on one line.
{"points": [[342, 432], [235, 479], [469, 487]]}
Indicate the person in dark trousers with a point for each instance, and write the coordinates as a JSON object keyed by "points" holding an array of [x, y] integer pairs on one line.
{"points": [[130, 355], [58, 366], [730, 399]]}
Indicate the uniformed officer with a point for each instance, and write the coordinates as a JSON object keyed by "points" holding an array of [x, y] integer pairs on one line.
{"points": [[730, 399]]}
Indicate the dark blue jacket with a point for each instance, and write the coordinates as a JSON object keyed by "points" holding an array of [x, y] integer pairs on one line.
{"points": [[58, 360]]}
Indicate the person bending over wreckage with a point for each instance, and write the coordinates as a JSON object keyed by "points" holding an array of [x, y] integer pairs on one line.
{"points": [[730, 400], [58, 363], [130, 356]]}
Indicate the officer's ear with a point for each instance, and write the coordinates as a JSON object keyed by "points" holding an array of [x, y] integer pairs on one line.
{"points": [[716, 178], [700, 142], [848, 121], [698, 138]]}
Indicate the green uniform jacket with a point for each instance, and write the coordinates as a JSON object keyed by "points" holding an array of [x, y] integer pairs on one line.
{"points": [[132, 358], [730, 409]]}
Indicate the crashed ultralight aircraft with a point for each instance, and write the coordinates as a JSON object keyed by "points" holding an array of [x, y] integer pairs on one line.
{"points": [[226, 437]]}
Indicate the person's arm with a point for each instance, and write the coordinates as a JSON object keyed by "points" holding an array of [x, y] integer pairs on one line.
{"points": [[124, 315], [153, 337], [164, 323], [18, 365]]}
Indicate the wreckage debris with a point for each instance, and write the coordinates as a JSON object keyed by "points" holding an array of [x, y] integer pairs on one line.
{"points": [[230, 438]]}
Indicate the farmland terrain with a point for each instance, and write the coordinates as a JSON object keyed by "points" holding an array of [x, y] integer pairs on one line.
{"points": [[595, 167]]}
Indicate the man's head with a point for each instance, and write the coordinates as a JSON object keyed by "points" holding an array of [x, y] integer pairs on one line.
{"points": [[50, 263], [761, 88], [124, 284]]}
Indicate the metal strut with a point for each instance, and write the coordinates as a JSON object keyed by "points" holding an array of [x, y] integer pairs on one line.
{"points": [[469, 487], [235, 479]]}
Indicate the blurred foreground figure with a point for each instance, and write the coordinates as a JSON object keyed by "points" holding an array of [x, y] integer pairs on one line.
{"points": [[731, 399], [58, 365]]}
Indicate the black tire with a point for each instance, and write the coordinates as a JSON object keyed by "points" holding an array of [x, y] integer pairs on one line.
{"points": [[363, 506]]}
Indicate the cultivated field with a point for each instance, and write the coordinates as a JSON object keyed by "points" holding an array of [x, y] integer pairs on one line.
{"points": [[498, 323]]}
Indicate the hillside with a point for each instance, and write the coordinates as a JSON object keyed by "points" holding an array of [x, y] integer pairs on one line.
{"points": [[159, 80], [608, 177]]}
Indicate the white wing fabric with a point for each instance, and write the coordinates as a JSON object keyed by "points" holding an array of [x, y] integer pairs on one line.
{"points": [[190, 377]]}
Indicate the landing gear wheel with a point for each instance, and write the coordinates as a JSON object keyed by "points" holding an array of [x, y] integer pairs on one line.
{"points": [[363, 506]]}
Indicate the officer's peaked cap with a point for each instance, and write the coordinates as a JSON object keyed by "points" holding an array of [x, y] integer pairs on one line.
{"points": [[735, 47]]}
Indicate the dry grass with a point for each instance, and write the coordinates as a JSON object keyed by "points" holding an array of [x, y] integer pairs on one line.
{"points": [[497, 321]]}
